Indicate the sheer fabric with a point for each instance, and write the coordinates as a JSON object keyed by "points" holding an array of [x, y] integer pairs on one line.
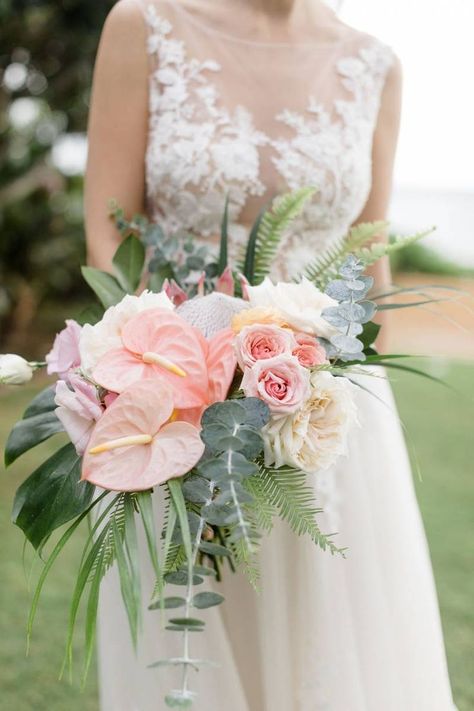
{"points": [[249, 120]]}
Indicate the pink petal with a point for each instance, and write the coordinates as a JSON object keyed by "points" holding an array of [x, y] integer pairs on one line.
{"points": [[142, 409], [221, 364], [177, 448], [225, 283], [174, 292], [164, 332], [201, 282], [118, 369]]}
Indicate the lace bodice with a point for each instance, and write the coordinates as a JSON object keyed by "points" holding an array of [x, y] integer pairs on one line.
{"points": [[249, 121]]}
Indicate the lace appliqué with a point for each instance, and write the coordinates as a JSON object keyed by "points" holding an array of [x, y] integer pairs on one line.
{"points": [[199, 152]]}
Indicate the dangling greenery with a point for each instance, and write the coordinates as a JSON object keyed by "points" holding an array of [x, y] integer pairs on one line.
{"points": [[325, 267], [288, 491]]}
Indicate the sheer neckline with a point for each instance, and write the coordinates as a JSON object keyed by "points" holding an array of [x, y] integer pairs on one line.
{"points": [[209, 29]]}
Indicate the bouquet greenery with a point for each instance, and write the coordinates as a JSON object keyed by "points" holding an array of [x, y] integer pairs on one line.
{"points": [[214, 389]]}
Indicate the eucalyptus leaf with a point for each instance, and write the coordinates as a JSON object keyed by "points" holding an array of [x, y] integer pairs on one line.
{"points": [[186, 622], [207, 599], [168, 603], [196, 489], [213, 549]]}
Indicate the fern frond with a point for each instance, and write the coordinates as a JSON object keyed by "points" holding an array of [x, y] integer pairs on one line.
{"points": [[325, 266], [246, 563], [287, 490], [371, 254], [271, 228], [262, 510]]}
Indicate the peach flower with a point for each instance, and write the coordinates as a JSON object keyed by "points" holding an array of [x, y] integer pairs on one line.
{"points": [[281, 382], [248, 317], [308, 351]]}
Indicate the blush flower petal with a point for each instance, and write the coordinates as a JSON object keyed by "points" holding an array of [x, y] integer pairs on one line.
{"points": [[161, 344], [134, 447]]}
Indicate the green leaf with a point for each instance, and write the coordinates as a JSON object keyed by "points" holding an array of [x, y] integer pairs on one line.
{"points": [[28, 433], [213, 549], [176, 491], [128, 583], [248, 267], [42, 403], [51, 496], [196, 489], [128, 262], [168, 603], [52, 558], [105, 286], [145, 504], [186, 622], [223, 254], [263, 248], [288, 491], [369, 334], [207, 599]]}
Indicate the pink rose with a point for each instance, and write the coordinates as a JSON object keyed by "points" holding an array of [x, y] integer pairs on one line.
{"points": [[281, 382], [78, 410], [308, 351], [262, 341], [64, 355]]}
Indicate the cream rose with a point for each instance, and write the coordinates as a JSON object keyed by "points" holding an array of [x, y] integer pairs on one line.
{"points": [[314, 436], [300, 305], [261, 342], [95, 341], [281, 382]]}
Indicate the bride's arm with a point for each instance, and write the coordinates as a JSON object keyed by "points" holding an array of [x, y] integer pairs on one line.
{"points": [[383, 158], [117, 129]]}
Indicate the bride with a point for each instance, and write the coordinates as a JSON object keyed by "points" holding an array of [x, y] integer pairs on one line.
{"points": [[194, 100]]}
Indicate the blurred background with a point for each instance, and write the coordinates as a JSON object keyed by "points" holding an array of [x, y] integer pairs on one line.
{"points": [[47, 51]]}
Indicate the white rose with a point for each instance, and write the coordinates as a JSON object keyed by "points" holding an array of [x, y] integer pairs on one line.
{"points": [[315, 436], [300, 304], [96, 340], [14, 370]]}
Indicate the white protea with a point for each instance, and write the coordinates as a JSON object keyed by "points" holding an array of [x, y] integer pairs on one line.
{"points": [[211, 313]]}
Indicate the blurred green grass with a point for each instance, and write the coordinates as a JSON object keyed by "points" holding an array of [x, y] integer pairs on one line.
{"points": [[439, 423]]}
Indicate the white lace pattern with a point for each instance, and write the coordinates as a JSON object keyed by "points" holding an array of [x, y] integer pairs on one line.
{"points": [[199, 151]]}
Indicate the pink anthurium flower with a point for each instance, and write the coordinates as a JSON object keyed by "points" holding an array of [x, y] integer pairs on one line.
{"points": [[135, 446], [221, 363], [158, 343]]}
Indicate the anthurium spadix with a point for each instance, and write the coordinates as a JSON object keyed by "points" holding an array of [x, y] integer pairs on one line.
{"points": [[159, 344], [136, 444]]}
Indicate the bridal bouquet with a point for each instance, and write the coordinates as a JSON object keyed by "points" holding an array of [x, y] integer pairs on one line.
{"points": [[217, 390]]}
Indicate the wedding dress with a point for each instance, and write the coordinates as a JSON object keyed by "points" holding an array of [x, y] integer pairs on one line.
{"points": [[251, 120]]}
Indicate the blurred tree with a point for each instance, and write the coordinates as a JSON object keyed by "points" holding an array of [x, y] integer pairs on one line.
{"points": [[46, 61]]}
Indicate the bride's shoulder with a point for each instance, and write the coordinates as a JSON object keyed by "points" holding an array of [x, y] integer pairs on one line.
{"points": [[377, 55]]}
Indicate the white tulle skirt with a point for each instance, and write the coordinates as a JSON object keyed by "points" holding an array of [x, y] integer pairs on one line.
{"points": [[325, 633]]}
